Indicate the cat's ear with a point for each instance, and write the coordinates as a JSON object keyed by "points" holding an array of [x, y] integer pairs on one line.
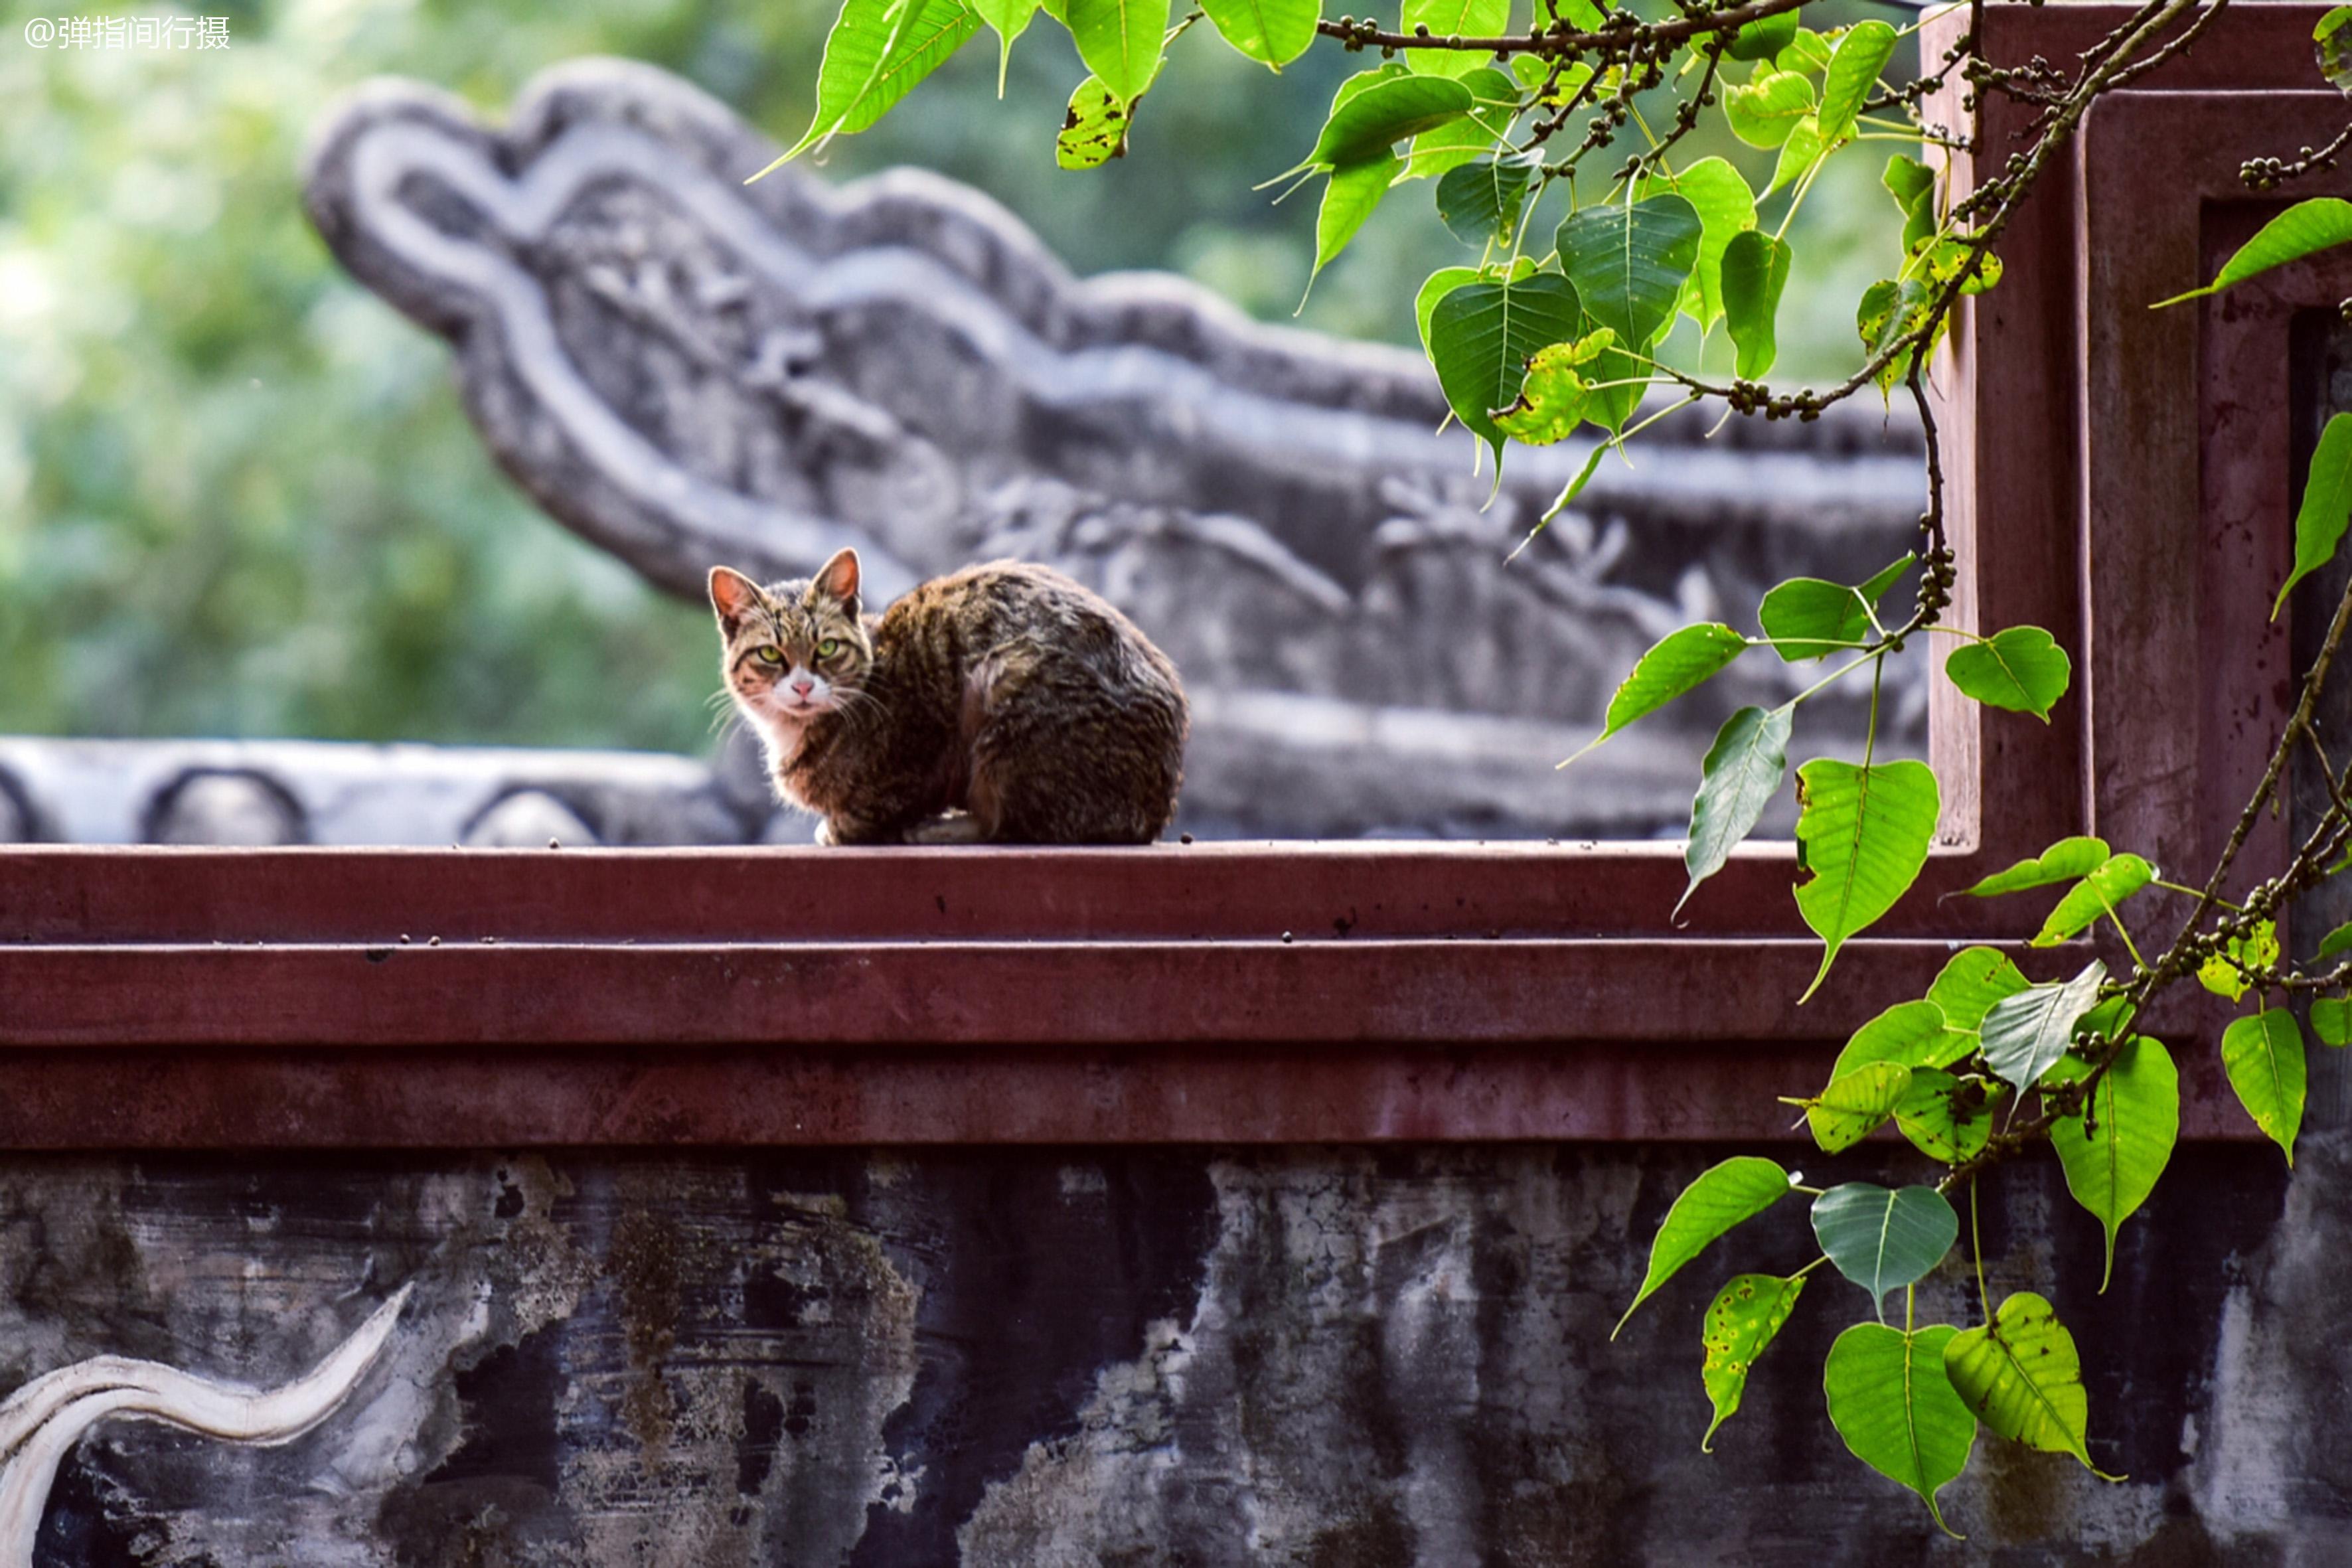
{"points": [[732, 594], [838, 576]]}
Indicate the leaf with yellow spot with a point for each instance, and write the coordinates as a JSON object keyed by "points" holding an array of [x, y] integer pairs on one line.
{"points": [[1553, 398], [1854, 1103], [2022, 1375], [1947, 1117], [2223, 973], [1748, 1313], [1094, 131]]}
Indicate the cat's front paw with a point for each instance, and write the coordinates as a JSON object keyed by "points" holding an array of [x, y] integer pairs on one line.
{"points": [[947, 828], [824, 833]]}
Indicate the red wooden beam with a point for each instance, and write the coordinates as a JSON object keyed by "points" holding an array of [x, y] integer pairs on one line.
{"points": [[1186, 891], [897, 994], [1197, 1092]]}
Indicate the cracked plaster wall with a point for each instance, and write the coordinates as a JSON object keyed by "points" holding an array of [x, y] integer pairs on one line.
{"points": [[1328, 1358]]}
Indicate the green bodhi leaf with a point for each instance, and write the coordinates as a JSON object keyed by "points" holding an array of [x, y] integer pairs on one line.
{"points": [[2224, 973], [2022, 1377], [1745, 1315], [1011, 20], [2061, 862], [1808, 619], [1809, 52], [2021, 669], [1482, 335], [1945, 1117], [1883, 1239], [1555, 395], [1855, 1104], [2263, 1057], [1364, 81], [877, 52], [2099, 893], [1368, 122], [1738, 1189], [1940, 261], [1914, 1033], [1802, 150], [1494, 104], [2334, 941], [1972, 981], [1448, 147], [1518, 269], [1725, 209], [1121, 41], [1095, 130], [1272, 32], [1755, 272], [1853, 70], [1742, 771], [1892, 1402], [2331, 1020], [1619, 381], [1765, 38], [1891, 310], [1913, 185], [1449, 19], [2026, 1034], [1436, 287], [1629, 263], [1349, 198], [1764, 112], [1863, 834], [1676, 663], [2114, 1156], [1349, 90], [2320, 224], [2326, 505], [1480, 201]]}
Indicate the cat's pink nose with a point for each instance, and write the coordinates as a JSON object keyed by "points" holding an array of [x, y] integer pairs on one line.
{"points": [[803, 686]]}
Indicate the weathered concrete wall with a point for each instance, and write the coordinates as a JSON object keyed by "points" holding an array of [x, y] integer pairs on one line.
{"points": [[1042, 1358]]}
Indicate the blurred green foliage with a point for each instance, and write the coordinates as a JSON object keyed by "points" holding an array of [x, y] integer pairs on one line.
{"points": [[237, 495]]}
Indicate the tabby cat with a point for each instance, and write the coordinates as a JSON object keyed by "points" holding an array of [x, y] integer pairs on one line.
{"points": [[1004, 703]]}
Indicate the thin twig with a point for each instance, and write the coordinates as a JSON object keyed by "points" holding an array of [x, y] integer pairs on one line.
{"points": [[1632, 38]]}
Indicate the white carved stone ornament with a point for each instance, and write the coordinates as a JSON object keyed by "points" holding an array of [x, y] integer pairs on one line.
{"points": [[42, 1421]]}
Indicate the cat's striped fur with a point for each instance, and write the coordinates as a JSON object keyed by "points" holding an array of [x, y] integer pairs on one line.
{"points": [[1005, 692]]}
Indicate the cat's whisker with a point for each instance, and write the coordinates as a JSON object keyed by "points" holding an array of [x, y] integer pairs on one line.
{"points": [[721, 704], [854, 703]]}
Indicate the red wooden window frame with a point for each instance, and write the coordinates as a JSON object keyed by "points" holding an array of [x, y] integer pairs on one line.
{"points": [[158, 997]]}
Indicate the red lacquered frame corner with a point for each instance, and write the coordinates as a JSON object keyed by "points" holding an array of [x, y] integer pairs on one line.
{"points": [[178, 998]]}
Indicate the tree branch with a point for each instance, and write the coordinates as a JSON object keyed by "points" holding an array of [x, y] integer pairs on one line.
{"points": [[1617, 42]]}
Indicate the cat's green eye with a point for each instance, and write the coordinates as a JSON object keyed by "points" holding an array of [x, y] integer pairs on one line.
{"points": [[771, 655], [828, 648]]}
